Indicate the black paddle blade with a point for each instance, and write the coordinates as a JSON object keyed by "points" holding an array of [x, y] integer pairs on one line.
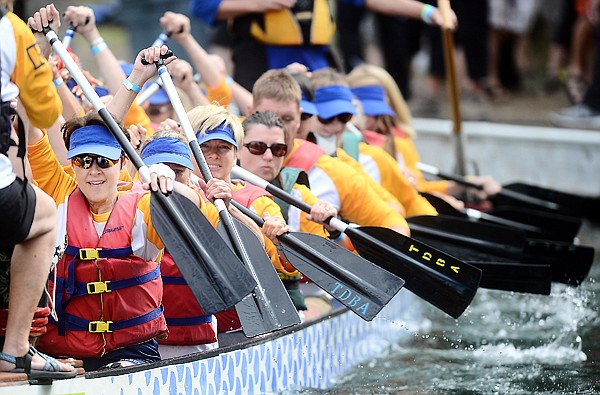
{"points": [[516, 277], [495, 239], [442, 280], [262, 315], [357, 283], [570, 263], [568, 203], [553, 226], [211, 270]]}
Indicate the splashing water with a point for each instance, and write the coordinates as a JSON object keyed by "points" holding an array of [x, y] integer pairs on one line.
{"points": [[505, 343]]}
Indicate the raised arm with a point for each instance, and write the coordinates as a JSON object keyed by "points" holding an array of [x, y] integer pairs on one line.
{"points": [[84, 20], [127, 92]]}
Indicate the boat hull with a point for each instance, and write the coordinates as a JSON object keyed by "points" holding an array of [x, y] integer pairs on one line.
{"points": [[312, 355]]}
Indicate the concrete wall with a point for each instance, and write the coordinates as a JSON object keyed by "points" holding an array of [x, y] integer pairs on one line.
{"points": [[563, 159]]}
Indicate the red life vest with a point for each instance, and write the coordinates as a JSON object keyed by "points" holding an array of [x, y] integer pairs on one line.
{"points": [[305, 156], [186, 321], [106, 297], [248, 194]]}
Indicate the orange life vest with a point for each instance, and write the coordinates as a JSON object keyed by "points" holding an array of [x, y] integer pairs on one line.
{"points": [[106, 297]]}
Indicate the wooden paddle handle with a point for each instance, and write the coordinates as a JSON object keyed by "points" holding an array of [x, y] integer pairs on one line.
{"points": [[446, 10]]}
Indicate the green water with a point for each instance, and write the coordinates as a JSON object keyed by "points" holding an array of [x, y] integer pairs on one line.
{"points": [[505, 343]]}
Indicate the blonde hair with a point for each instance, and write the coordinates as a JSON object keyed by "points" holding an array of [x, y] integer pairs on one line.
{"points": [[368, 74], [278, 85], [327, 77], [208, 117]]}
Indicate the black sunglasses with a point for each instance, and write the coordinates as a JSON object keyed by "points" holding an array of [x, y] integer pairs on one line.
{"points": [[343, 118], [304, 116], [86, 161], [259, 148]]}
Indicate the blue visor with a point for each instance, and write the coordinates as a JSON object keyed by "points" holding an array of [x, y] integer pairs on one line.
{"points": [[158, 98], [308, 106], [334, 100], [96, 140], [127, 68], [372, 100], [221, 132], [167, 150]]}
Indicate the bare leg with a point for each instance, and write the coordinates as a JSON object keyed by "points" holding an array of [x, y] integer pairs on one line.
{"points": [[28, 273]]}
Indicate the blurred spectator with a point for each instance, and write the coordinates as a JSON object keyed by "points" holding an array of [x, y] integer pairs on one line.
{"points": [[586, 114]]}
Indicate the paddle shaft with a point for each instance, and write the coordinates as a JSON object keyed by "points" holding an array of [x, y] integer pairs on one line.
{"points": [[260, 294], [544, 204], [452, 84], [307, 250]]}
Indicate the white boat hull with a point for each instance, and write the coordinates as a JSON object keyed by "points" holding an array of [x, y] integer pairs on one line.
{"points": [[310, 356]]}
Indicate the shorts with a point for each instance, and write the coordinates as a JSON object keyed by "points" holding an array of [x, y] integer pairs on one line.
{"points": [[515, 16], [17, 209]]}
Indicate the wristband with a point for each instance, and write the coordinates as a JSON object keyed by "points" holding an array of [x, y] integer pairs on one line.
{"points": [[58, 82], [132, 86], [427, 13], [98, 48], [335, 235], [96, 41]]}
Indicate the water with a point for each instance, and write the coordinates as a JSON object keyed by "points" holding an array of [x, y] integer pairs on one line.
{"points": [[505, 343]]}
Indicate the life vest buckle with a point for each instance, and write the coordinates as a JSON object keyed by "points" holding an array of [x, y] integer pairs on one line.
{"points": [[89, 254], [99, 326], [97, 287]]}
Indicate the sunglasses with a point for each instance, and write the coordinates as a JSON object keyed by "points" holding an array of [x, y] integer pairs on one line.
{"points": [[304, 116], [156, 111], [259, 148], [343, 118], [86, 161]]}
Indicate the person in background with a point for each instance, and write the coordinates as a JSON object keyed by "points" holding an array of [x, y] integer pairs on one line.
{"points": [[585, 115], [272, 34], [333, 99], [388, 124], [331, 180]]}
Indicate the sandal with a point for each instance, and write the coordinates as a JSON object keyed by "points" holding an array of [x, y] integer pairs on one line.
{"points": [[50, 371]]}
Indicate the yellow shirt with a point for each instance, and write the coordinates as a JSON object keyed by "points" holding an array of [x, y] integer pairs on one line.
{"points": [[29, 72], [265, 204], [295, 215], [392, 179], [406, 147], [349, 192], [135, 115], [220, 93]]}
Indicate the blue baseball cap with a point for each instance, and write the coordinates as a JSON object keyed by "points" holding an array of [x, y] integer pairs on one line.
{"points": [[372, 100], [308, 106], [334, 100], [96, 140], [221, 132], [167, 150]]}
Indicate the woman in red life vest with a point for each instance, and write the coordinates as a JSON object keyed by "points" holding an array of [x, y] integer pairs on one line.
{"points": [[106, 280]]}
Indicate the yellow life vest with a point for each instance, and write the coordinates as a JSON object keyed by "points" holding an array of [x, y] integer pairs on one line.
{"points": [[308, 22]]}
